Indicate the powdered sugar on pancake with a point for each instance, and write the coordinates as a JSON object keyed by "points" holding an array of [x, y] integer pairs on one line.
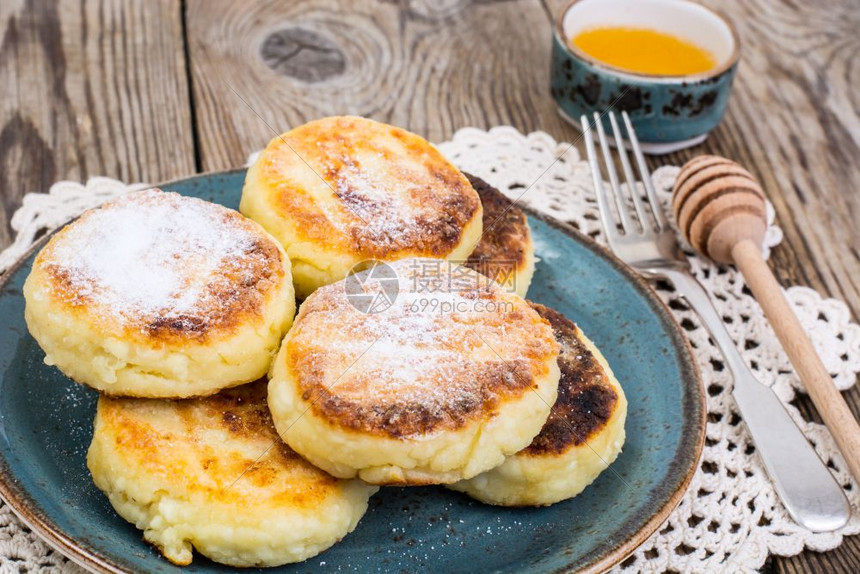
{"points": [[361, 186], [153, 257], [439, 356], [387, 213]]}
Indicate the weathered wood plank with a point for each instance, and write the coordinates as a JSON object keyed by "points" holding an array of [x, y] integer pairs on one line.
{"points": [[430, 69], [92, 88], [843, 560]]}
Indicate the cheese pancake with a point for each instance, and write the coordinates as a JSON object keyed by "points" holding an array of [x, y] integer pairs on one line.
{"points": [[342, 190], [159, 295], [211, 474], [453, 377], [505, 253], [583, 435]]}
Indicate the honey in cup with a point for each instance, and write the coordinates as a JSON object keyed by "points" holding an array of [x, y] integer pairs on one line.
{"points": [[644, 51]]}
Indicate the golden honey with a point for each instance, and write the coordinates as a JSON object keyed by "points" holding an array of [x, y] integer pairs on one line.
{"points": [[644, 51]]}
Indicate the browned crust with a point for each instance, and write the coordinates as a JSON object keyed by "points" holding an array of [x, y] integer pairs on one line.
{"points": [[435, 397], [181, 459], [331, 147], [502, 250], [237, 293], [231, 302], [585, 401], [407, 418]]}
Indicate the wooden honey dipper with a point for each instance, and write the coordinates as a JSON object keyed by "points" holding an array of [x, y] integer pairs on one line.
{"points": [[720, 209]]}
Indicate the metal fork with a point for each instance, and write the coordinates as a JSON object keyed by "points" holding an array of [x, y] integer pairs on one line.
{"points": [[648, 244]]}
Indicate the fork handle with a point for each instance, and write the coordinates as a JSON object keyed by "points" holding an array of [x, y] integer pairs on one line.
{"points": [[829, 402], [807, 489]]}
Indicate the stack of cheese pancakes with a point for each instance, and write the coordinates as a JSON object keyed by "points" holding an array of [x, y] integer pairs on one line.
{"points": [[176, 310]]}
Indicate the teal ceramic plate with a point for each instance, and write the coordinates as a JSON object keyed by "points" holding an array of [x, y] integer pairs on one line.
{"points": [[45, 429]]}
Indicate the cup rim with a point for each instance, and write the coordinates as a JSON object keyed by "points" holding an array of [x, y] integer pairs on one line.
{"points": [[660, 78]]}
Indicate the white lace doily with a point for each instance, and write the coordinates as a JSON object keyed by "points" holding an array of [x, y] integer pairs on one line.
{"points": [[730, 519]]}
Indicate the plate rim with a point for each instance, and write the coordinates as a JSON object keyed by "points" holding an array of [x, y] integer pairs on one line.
{"points": [[32, 515], [690, 371]]}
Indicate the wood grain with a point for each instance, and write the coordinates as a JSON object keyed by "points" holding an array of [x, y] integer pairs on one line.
{"points": [[92, 88], [843, 560], [431, 67]]}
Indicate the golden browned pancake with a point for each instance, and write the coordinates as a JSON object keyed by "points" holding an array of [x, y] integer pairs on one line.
{"points": [[587, 399], [155, 294], [342, 190], [582, 436], [212, 473], [505, 253], [453, 377]]}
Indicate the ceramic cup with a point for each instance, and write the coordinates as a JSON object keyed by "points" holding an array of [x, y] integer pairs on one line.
{"points": [[668, 112]]}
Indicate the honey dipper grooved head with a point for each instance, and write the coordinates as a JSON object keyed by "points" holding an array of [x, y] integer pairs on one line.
{"points": [[717, 204]]}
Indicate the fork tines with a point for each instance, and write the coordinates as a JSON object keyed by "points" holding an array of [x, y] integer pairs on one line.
{"points": [[650, 206]]}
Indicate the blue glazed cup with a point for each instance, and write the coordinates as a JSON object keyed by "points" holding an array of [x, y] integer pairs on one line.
{"points": [[668, 112]]}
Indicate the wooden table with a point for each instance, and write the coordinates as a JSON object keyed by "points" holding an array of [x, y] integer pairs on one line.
{"points": [[149, 91]]}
